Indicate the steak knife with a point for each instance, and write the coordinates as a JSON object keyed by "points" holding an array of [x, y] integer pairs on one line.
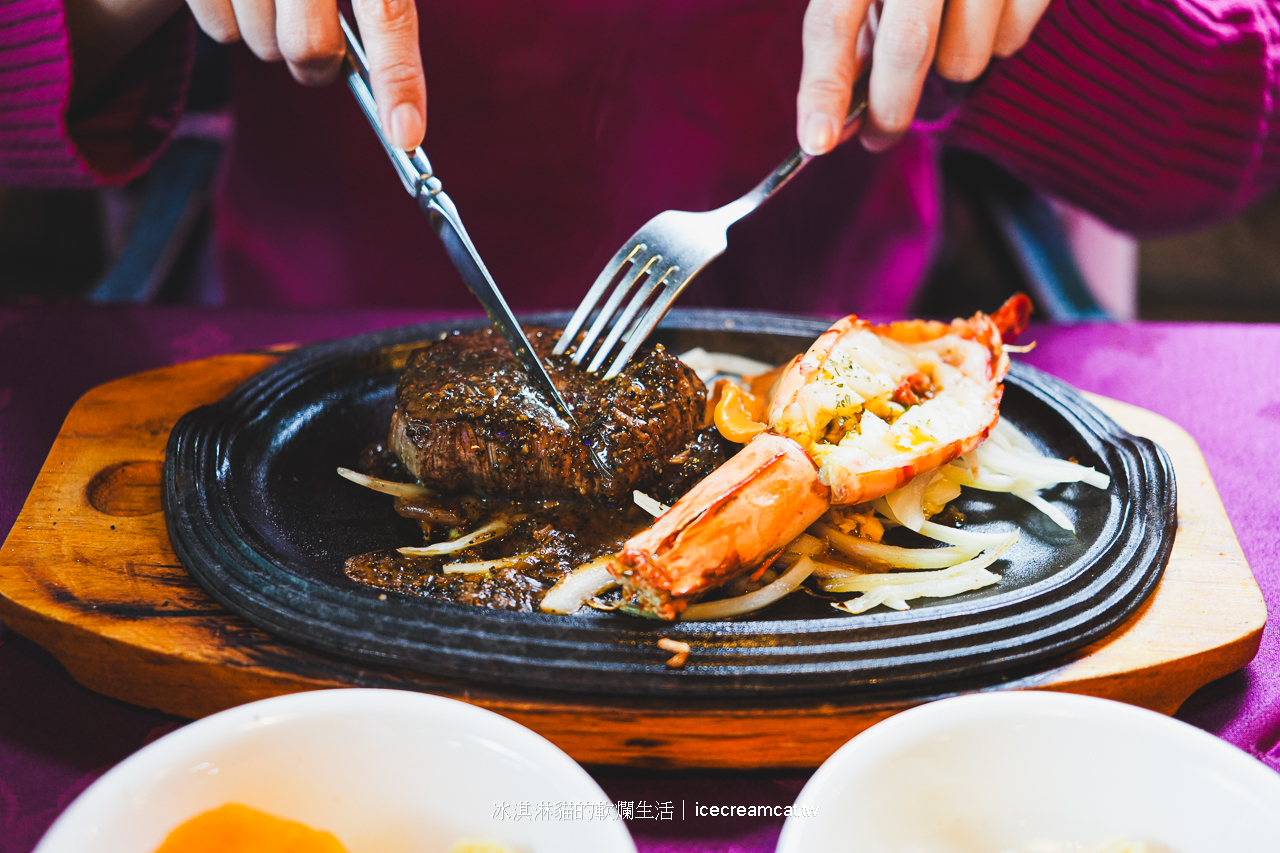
{"points": [[419, 180]]}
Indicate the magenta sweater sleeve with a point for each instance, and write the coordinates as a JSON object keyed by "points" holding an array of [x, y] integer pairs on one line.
{"points": [[1155, 115], [109, 140]]}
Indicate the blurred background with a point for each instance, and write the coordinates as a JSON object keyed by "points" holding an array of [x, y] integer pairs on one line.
{"points": [[148, 242], [1231, 272], [61, 244]]}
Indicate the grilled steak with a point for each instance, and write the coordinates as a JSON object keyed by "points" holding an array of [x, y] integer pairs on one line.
{"points": [[467, 418]]}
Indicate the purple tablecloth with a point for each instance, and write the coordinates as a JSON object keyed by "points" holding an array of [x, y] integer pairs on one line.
{"points": [[1217, 381]]}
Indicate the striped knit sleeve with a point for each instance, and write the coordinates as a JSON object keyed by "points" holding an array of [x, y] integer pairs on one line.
{"points": [[108, 140], [1154, 115]]}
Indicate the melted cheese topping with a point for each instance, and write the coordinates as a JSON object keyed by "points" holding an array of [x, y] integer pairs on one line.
{"points": [[847, 417]]}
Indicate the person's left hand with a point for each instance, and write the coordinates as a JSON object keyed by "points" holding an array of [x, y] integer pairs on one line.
{"points": [[957, 37]]}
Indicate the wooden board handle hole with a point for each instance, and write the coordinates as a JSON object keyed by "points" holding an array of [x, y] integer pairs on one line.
{"points": [[127, 489]]}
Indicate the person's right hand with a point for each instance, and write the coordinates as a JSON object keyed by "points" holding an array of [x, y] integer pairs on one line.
{"points": [[305, 34], [958, 38]]}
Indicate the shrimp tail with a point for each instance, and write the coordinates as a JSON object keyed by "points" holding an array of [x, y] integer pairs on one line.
{"points": [[1012, 317]]}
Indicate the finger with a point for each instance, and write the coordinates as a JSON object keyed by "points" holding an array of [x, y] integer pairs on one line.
{"points": [[968, 34], [829, 39], [257, 22], [904, 49], [1017, 20], [310, 39], [389, 29], [217, 18]]}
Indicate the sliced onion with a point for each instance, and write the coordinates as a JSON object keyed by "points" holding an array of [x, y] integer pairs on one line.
{"points": [[892, 555], [1005, 434], [882, 507], [831, 570], [752, 601], [940, 492], [1025, 465], [805, 545], [896, 597], [492, 530], [650, 505], [907, 502], [964, 538], [895, 590], [579, 586], [708, 364], [387, 487], [986, 480], [1058, 516], [483, 566], [870, 581]]}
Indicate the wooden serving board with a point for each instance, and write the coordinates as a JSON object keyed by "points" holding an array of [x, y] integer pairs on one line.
{"points": [[88, 573]]}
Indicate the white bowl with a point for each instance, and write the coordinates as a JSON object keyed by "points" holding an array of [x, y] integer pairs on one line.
{"points": [[1035, 772], [384, 770]]}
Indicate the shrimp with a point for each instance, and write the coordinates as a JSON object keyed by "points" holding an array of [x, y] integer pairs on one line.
{"points": [[863, 411]]}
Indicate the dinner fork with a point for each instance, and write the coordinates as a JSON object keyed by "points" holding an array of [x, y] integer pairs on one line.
{"points": [[657, 263]]}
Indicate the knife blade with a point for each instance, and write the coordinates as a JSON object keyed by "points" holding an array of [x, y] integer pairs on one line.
{"points": [[420, 181]]}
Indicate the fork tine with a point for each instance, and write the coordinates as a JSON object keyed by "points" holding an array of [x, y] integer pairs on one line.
{"points": [[625, 324], [629, 280], [645, 326], [592, 299]]}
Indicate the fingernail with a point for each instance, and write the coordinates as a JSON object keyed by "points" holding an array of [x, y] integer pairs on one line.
{"points": [[818, 134], [877, 142], [406, 126]]}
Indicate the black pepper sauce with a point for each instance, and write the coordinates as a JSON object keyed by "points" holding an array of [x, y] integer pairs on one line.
{"points": [[557, 537]]}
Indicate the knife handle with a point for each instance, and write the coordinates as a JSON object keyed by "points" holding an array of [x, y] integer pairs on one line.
{"points": [[413, 166]]}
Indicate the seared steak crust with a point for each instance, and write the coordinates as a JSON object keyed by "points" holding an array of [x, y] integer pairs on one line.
{"points": [[467, 418]]}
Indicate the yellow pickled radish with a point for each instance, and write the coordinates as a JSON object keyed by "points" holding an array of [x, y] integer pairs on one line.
{"points": [[234, 828]]}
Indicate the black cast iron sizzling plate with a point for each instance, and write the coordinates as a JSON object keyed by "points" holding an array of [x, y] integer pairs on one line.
{"points": [[258, 515]]}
